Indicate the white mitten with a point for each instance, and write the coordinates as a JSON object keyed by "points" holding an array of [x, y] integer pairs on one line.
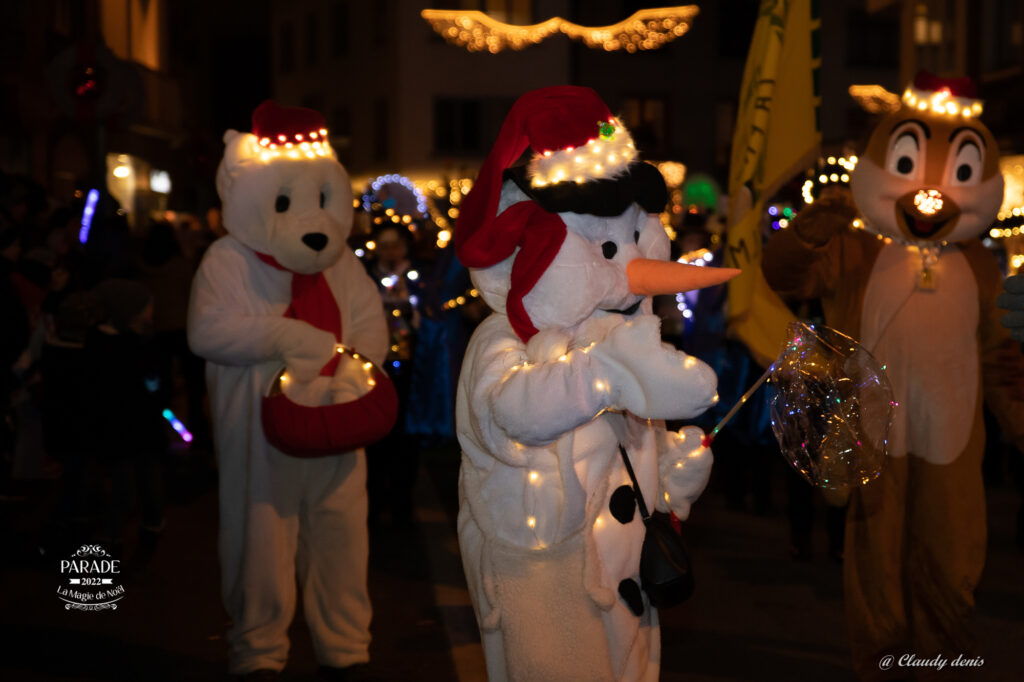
{"points": [[306, 350], [652, 379], [350, 380], [683, 471]]}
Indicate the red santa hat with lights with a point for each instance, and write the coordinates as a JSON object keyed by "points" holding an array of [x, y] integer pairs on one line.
{"points": [[950, 96], [583, 161], [278, 127]]}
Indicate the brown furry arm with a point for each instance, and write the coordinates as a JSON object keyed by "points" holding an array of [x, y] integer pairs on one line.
{"points": [[803, 261], [1002, 363]]}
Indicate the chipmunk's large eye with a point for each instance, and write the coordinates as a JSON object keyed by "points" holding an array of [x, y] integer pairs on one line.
{"points": [[966, 165], [904, 155]]}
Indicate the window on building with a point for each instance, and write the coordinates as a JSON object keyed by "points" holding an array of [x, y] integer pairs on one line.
{"points": [[935, 44], [311, 40], [339, 28], [872, 40], [466, 126], [286, 48], [381, 129], [647, 121], [381, 23], [132, 30], [314, 101], [1002, 40], [341, 122]]}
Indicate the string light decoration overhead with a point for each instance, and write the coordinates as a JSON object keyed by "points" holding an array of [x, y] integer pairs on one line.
{"points": [[647, 29]]}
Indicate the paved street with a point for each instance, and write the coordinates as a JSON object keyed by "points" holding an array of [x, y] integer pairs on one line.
{"points": [[756, 615]]}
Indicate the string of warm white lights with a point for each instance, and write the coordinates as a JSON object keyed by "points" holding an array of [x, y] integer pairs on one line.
{"points": [[942, 102], [604, 156], [834, 170], [1009, 223], [459, 301], [431, 199], [311, 144], [875, 99], [647, 29]]}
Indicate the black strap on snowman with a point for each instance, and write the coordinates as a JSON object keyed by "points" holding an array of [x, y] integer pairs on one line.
{"points": [[665, 572]]}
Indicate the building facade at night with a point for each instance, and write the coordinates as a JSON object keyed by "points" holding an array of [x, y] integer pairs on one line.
{"points": [[95, 102], [983, 39], [398, 98]]}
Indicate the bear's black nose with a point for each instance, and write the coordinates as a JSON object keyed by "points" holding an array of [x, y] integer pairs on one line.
{"points": [[315, 240]]}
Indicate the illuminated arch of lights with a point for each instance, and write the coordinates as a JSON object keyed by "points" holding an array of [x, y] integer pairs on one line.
{"points": [[647, 29]]}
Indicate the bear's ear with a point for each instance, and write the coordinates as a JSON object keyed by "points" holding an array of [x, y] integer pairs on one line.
{"points": [[238, 148]]}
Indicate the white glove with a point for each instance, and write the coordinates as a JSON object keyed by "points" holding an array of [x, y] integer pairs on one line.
{"points": [[350, 380], [652, 379], [306, 350], [683, 471]]}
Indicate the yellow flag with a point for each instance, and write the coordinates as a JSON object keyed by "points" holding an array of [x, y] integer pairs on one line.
{"points": [[777, 135]]}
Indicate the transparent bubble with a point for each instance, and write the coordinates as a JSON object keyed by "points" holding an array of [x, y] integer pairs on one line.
{"points": [[831, 407]]}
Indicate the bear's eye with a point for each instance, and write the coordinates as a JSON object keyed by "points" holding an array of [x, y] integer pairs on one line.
{"points": [[636, 236], [323, 199], [609, 250], [282, 203]]}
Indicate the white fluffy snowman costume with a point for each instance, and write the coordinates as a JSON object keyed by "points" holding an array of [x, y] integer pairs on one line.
{"points": [[569, 367], [282, 291]]}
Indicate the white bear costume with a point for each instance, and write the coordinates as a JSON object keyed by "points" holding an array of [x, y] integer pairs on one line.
{"points": [[281, 515], [568, 367]]}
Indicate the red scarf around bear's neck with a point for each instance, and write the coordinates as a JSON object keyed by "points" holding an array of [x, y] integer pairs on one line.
{"points": [[312, 302]]}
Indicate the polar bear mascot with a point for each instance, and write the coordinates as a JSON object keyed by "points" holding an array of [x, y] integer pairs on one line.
{"points": [[291, 328]]}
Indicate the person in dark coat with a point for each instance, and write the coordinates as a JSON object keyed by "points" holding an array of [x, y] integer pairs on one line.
{"points": [[128, 435]]}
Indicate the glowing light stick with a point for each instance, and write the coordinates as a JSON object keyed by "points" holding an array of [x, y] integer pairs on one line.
{"points": [[177, 426], [87, 214]]}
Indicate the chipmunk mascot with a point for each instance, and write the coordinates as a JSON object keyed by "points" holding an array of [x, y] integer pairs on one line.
{"points": [[918, 289]]}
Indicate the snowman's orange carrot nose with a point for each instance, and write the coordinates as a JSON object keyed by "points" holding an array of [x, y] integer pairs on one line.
{"points": [[653, 277]]}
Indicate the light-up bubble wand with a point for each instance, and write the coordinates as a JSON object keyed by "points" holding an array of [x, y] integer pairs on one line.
{"points": [[831, 407]]}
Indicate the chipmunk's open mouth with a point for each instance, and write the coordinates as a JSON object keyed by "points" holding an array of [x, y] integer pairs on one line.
{"points": [[921, 227]]}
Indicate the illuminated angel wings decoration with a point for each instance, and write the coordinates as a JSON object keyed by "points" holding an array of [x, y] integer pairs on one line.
{"points": [[647, 29]]}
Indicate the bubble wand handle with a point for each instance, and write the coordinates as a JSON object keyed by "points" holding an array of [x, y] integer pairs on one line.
{"points": [[706, 441]]}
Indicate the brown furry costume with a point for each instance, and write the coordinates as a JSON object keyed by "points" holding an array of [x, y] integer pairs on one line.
{"points": [[920, 294]]}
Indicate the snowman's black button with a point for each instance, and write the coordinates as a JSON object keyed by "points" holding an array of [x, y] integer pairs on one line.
{"points": [[623, 504], [630, 593]]}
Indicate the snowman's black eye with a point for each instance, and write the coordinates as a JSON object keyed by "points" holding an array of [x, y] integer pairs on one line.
{"points": [[282, 203], [609, 249], [636, 236]]}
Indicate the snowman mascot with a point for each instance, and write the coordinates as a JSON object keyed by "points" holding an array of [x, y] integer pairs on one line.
{"points": [[564, 387], [290, 326]]}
